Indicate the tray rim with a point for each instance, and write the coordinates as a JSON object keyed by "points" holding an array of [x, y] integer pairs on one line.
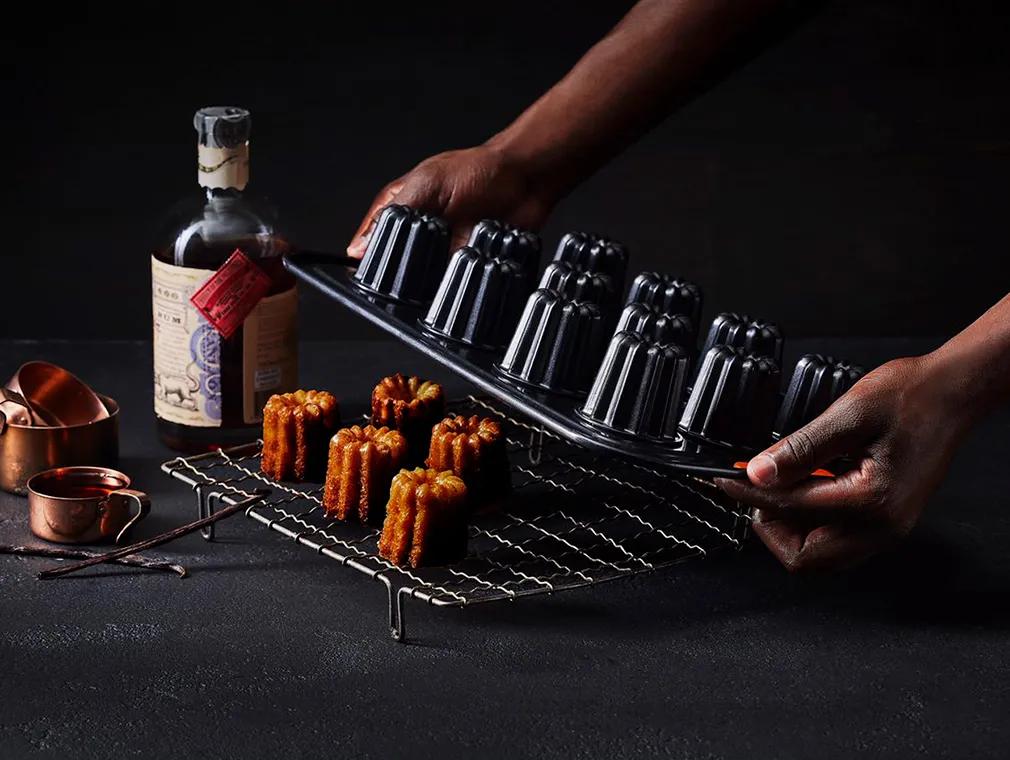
{"points": [[336, 283]]}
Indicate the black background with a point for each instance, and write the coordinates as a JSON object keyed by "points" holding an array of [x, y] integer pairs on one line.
{"points": [[850, 180]]}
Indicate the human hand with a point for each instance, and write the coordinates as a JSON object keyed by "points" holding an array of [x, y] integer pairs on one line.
{"points": [[900, 425], [462, 187]]}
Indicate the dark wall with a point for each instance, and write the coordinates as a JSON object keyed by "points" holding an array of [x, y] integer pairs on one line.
{"points": [[850, 180]]}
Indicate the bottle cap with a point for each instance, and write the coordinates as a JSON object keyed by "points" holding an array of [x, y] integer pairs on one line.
{"points": [[223, 126]]}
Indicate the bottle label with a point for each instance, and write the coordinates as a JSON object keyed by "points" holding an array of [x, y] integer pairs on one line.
{"points": [[187, 349], [223, 167], [270, 337], [230, 295]]}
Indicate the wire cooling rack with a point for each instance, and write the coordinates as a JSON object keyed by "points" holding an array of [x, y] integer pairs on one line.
{"points": [[574, 518]]}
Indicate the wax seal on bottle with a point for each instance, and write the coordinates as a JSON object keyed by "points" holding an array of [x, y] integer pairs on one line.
{"points": [[223, 126]]}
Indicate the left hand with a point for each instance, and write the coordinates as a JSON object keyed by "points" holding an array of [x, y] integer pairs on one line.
{"points": [[901, 430], [462, 187]]}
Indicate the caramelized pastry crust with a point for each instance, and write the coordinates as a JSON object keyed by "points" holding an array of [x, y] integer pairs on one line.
{"points": [[296, 429], [474, 449], [426, 519], [361, 467], [410, 405]]}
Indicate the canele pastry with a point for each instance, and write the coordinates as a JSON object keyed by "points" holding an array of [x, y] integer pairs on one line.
{"points": [[474, 449], [362, 463], [296, 432], [410, 405], [426, 519]]}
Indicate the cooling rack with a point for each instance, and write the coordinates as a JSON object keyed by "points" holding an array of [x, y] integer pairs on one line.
{"points": [[574, 518]]}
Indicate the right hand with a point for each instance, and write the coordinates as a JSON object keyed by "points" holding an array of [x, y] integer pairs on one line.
{"points": [[462, 187], [901, 424]]}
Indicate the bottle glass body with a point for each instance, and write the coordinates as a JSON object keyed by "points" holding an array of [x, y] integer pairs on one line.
{"points": [[201, 234]]}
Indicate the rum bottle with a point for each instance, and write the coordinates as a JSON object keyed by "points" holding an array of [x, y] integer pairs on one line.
{"points": [[225, 309]]}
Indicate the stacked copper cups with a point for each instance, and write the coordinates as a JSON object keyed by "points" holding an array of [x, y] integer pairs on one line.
{"points": [[49, 418]]}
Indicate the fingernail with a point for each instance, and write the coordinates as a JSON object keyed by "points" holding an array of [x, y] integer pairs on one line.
{"points": [[762, 470], [357, 247]]}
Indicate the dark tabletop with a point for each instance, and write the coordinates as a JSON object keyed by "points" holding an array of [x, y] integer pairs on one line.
{"points": [[269, 650]]}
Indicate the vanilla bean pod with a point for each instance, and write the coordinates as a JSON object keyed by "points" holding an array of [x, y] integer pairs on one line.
{"points": [[132, 560], [164, 538]]}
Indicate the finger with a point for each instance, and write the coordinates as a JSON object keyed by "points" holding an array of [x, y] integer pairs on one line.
{"points": [[427, 192], [783, 539], [820, 472], [839, 430], [853, 491], [359, 241], [421, 192], [460, 236], [835, 546]]}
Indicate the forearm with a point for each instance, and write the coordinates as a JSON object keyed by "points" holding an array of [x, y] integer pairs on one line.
{"points": [[973, 367], [652, 60]]}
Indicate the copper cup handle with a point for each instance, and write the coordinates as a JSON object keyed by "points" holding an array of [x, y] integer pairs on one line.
{"points": [[129, 496], [6, 394]]}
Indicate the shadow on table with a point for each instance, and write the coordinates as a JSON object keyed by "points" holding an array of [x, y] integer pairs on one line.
{"points": [[929, 581]]}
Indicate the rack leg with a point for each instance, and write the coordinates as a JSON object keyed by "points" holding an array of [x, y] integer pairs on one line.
{"points": [[742, 523], [209, 506], [203, 510], [395, 601], [536, 446], [399, 631]]}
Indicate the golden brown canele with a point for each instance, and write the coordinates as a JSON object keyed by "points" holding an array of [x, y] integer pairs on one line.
{"points": [[426, 519], [411, 405], [362, 463], [474, 449], [296, 432]]}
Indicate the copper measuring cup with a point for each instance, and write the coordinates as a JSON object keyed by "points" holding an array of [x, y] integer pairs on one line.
{"points": [[83, 505], [43, 394], [28, 449]]}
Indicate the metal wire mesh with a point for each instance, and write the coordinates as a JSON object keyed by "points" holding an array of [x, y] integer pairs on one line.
{"points": [[574, 519]]}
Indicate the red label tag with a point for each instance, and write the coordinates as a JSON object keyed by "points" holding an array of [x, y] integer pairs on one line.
{"points": [[231, 293]]}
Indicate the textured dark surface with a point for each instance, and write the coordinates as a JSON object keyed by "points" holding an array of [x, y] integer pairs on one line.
{"points": [[267, 650]]}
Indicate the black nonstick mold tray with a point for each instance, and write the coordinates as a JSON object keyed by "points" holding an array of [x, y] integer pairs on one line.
{"points": [[560, 347]]}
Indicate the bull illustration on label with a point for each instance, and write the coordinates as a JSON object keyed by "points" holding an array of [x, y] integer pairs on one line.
{"points": [[176, 390]]}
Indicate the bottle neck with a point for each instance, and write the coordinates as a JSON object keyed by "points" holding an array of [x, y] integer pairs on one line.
{"points": [[223, 168], [221, 195]]}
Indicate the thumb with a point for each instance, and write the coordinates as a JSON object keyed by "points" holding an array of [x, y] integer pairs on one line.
{"points": [[413, 189], [838, 431], [359, 241]]}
